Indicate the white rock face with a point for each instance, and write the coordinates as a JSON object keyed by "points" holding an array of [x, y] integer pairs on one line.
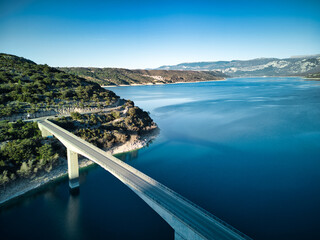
{"points": [[256, 67], [278, 64]]}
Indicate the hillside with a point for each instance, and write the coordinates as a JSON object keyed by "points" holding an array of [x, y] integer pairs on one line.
{"points": [[256, 67], [29, 90], [121, 76]]}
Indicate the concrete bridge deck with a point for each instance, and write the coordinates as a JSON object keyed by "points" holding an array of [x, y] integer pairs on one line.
{"points": [[187, 219]]}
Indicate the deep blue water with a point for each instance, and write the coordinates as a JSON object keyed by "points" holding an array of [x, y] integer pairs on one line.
{"points": [[246, 149]]}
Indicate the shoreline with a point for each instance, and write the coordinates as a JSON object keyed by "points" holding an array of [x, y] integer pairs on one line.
{"points": [[224, 79], [22, 187], [314, 79], [156, 84]]}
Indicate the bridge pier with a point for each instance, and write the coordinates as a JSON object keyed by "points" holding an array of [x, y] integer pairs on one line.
{"points": [[181, 230], [177, 236], [73, 169], [45, 132]]}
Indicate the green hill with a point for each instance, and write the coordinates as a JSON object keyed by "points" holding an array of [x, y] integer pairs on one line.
{"points": [[121, 76], [27, 87]]}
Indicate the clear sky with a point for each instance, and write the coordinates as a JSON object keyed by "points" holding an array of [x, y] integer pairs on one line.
{"points": [[148, 34]]}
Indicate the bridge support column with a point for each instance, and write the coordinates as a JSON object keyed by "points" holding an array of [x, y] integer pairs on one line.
{"points": [[73, 169], [177, 236], [45, 132]]}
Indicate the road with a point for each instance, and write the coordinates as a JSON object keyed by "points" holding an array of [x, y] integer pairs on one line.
{"points": [[199, 220]]}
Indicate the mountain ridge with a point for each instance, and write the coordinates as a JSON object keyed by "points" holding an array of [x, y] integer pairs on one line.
{"points": [[293, 66]]}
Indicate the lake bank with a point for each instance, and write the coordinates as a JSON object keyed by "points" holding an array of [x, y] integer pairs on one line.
{"points": [[155, 84]]}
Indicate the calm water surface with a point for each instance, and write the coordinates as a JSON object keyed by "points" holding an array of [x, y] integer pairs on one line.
{"points": [[246, 149]]}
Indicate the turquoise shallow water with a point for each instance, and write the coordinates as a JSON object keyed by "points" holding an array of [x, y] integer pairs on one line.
{"points": [[245, 149]]}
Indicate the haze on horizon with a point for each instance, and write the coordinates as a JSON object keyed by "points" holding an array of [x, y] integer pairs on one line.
{"points": [[148, 34]]}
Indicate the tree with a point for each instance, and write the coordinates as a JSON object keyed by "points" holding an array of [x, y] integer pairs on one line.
{"points": [[19, 150], [45, 152], [24, 170], [76, 116], [4, 179]]}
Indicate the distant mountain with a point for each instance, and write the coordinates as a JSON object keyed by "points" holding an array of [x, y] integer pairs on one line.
{"points": [[294, 66], [121, 76], [306, 56]]}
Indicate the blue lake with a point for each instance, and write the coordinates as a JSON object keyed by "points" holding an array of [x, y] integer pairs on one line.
{"points": [[246, 149]]}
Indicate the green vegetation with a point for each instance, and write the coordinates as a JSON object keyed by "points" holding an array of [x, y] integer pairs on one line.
{"points": [[105, 130], [18, 130], [314, 75], [120, 76], [23, 151], [109, 76], [27, 87]]}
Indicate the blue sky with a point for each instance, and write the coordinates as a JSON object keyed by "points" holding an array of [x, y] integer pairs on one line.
{"points": [[148, 34]]}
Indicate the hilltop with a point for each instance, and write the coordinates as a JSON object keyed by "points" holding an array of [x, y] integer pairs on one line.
{"points": [[121, 76], [294, 66]]}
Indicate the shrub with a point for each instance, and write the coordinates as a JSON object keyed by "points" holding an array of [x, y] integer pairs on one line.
{"points": [[115, 114], [76, 116], [4, 179], [24, 170]]}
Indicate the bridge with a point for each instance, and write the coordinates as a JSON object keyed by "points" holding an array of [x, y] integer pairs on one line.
{"points": [[188, 220]]}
